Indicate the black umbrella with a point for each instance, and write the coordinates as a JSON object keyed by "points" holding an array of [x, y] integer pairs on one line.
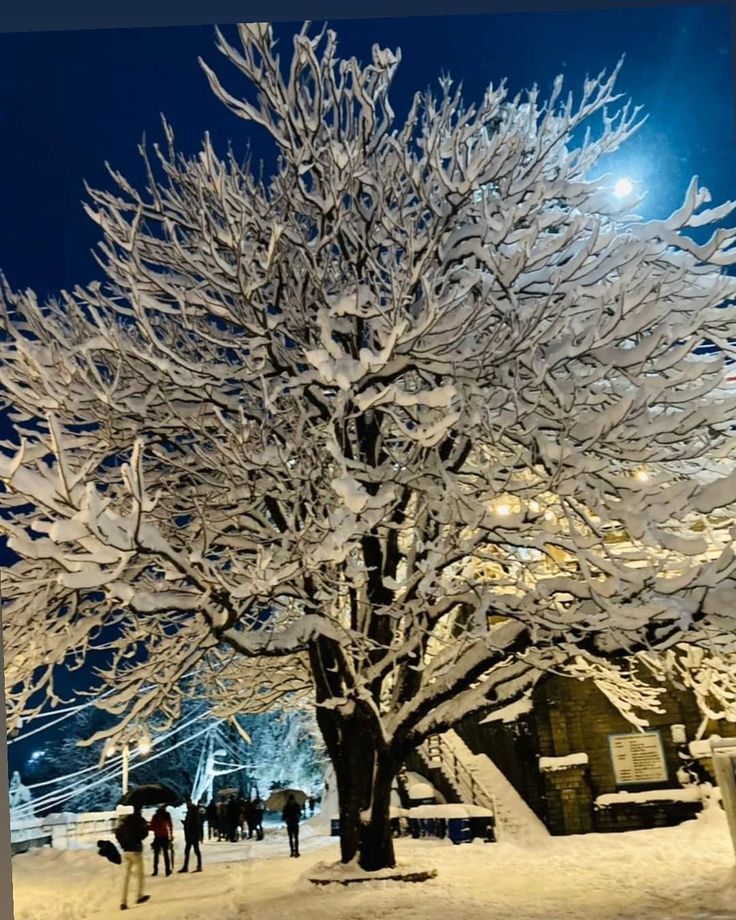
{"points": [[151, 794]]}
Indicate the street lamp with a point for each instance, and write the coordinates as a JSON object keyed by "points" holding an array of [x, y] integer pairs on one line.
{"points": [[143, 747]]}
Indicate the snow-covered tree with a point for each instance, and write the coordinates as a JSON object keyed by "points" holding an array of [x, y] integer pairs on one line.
{"points": [[397, 429]]}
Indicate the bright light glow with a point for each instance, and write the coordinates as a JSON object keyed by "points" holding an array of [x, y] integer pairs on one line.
{"points": [[144, 747], [642, 476], [623, 188], [503, 510], [110, 751], [549, 515]]}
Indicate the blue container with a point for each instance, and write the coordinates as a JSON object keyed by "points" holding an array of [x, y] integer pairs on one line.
{"points": [[458, 830], [335, 827]]}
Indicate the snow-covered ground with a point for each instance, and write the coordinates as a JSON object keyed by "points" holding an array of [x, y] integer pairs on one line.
{"points": [[682, 873]]}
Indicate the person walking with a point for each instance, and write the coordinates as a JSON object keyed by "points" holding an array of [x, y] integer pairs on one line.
{"points": [[211, 819], [233, 819], [162, 829], [258, 810], [248, 818], [291, 815], [221, 820], [131, 831], [192, 836], [202, 809]]}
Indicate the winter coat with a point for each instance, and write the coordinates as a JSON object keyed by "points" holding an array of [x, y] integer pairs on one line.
{"points": [[130, 833], [192, 825], [291, 814], [233, 812], [162, 826], [212, 813]]}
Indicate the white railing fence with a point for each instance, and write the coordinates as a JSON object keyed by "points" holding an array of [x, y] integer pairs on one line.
{"points": [[66, 829]]}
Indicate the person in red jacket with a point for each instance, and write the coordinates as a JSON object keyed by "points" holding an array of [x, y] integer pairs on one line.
{"points": [[163, 833]]}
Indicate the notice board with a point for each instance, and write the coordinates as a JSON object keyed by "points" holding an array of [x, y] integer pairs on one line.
{"points": [[638, 758]]}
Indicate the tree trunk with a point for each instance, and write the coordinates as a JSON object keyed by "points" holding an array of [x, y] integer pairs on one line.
{"points": [[364, 771]]}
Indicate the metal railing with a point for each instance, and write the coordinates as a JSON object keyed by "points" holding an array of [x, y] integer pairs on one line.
{"points": [[436, 750]]}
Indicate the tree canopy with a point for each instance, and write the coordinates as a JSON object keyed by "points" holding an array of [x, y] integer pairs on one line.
{"points": [[395, 430]]}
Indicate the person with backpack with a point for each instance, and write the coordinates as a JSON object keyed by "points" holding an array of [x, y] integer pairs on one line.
{"points": [[291, 815], [131, 831], [192, 836], [162, 829]]}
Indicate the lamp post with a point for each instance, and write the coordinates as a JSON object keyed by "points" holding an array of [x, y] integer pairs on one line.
{"points": [[126, 766], [144, 746]]}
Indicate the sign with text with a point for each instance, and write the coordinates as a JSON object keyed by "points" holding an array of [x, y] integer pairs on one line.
{"points": [[638, 758]]}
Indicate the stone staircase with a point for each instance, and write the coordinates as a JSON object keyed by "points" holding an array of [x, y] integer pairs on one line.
{"points": [[476, 780]]}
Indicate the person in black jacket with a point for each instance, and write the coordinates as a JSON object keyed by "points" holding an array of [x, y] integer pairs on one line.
{"points": [[291, 814], [233, 819], [130, 833], [258, 809], [192, 836], [212, 825]]}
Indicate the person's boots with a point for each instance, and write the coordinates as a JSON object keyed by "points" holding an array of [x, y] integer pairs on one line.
{"points": [[143, 898], [184, 868]]}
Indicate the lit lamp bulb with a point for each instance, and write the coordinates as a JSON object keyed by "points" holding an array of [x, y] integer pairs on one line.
{"points": [[110, 750], [144, 746], [642, 475], [623, 188], [503, 510]]}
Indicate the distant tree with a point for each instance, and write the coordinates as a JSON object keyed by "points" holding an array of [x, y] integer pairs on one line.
{"points": [[397, 430], [279, 741]]}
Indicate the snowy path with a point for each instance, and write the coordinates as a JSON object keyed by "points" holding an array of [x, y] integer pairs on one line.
{"points": [[682, 873]]}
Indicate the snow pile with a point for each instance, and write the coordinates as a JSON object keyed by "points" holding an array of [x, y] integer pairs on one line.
{"points": [[351, 872], [650, 796]]}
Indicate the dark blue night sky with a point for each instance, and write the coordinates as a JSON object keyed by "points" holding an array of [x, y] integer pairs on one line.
{"points": [[69, 101]]}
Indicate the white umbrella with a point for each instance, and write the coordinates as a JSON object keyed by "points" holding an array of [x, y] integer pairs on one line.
{"points": [[279, 798]]}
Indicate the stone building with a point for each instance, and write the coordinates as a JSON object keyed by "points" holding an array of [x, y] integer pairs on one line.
{"points": [[582, 767]]}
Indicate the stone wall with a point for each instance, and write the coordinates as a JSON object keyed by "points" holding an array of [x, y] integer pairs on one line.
{"points": [[633, 817], [569, 800]]}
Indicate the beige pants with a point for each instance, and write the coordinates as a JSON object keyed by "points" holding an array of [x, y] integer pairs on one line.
{"points": [[132, 861]]}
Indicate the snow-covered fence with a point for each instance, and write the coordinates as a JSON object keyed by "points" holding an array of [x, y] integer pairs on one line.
{"points": [[62, 830]]}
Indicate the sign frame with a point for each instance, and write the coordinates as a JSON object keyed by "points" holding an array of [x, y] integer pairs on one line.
{"points": [[649, 781]]}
